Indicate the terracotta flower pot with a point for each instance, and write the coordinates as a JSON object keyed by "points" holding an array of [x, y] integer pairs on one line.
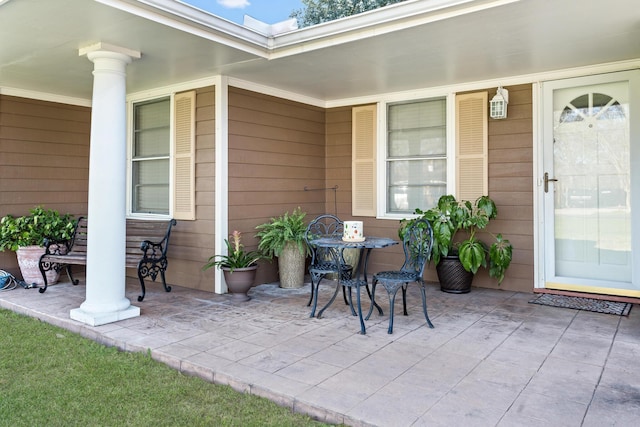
{"points": [[28, 260], [240, 281]]}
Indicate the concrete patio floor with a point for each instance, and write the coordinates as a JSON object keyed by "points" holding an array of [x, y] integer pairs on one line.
{"points": [[493, 359]]}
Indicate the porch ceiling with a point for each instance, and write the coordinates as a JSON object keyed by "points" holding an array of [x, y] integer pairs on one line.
{"points": [[462, 42]]}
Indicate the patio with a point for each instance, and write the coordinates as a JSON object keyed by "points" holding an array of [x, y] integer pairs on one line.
{"points": [[492, 359]]}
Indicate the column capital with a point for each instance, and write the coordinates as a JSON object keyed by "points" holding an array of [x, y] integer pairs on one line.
{"points": [[105, 50]]}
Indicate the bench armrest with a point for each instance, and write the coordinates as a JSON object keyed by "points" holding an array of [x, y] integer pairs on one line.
{"points": [[153, 250], [56, 247], [157, 250]]}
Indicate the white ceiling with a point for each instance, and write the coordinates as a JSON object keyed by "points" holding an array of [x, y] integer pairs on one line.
{"points": [[411, 45]]}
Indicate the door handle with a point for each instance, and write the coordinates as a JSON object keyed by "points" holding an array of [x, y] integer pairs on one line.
{"points": [[546, 181]]}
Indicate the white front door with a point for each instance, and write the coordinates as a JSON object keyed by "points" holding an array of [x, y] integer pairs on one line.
{"points": [[591, 173]]}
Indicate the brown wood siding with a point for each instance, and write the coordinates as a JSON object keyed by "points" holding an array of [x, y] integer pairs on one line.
{"points": [[276, 149], [192, 242], [44, 159], [510, 185], [339, 173]]}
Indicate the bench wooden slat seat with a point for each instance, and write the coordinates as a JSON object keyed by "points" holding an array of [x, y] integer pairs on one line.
{"points": [[146, 251]]}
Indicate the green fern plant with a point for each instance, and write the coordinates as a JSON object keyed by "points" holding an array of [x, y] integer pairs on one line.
{"points": [[281, 231]]}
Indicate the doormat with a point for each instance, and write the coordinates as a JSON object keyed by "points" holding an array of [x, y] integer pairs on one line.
{"points": [[586, 304]]}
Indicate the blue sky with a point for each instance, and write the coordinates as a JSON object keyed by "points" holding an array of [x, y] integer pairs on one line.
{"points": [[267, 11]]}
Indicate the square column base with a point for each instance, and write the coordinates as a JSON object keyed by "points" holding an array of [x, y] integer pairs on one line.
{"points": [[97, 319]]}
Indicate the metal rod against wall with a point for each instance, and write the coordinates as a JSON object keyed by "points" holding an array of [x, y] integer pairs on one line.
{"points": [[335, 187], [335, 195]]}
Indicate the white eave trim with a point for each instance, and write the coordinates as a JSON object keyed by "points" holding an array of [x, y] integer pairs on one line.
{"points": [[374, 98], [483, 84], [278, 93], [179, 15], [191, 20], [43, 96], [384, 20], [173, 88]]}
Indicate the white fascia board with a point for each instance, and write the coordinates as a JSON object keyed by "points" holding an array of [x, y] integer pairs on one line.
{"points": [[187, 18], [270, 29], [375, 22], [191, 20]]}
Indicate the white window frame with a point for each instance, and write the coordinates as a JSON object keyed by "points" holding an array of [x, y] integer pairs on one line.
{"points": [[130, 103], [381, 146], [149, 95]]}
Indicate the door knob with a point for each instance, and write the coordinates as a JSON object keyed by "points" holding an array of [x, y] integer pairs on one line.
{"points": [[546, 181]]}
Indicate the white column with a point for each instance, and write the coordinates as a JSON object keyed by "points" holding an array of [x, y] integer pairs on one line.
{"points": [[221, 202], [105, 294]]}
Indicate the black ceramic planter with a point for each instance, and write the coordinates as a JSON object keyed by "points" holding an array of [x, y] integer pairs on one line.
{"points": [[453, 277]]}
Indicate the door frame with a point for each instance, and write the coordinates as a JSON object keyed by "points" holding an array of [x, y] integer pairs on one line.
{"points": [[538, 164]]}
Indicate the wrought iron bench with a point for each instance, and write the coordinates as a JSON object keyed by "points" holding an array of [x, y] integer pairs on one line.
{"points": [[146, 251]]}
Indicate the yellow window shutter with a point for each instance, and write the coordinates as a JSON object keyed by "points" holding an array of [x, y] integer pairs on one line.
{"points": [[363, 161], [184, 206], [472, 146]]}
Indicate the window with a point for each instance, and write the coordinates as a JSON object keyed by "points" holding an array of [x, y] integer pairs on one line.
{"points": [[150, 160], [162, 157], [416, 158], [423, 150]]}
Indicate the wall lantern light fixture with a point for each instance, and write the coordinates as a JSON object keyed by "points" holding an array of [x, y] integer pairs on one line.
{"points": [[498, 104]]}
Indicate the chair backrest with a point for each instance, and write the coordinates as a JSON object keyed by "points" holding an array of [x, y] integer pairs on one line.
{"points": [[417, 244], [326, 225]]}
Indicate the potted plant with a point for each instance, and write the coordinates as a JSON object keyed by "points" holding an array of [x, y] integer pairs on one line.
{"points": [[26, 236], [238, 266], [457, 251], [283, 237]]}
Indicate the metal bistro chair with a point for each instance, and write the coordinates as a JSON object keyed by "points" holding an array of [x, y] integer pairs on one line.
{"points": [[417, 244], [323, 259]]}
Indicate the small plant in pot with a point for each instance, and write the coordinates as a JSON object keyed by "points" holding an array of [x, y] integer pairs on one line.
{"points": [[238, 266], [283, 237], [26, 235], [456, 227]]}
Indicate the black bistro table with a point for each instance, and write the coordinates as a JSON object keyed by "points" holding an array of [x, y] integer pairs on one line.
{"points": [[359, 276]]}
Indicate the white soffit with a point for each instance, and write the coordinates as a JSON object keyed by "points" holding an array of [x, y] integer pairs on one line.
{"points": [[409, 46]]}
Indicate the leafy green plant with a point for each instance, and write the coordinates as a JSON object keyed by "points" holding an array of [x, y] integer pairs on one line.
{"points": [[280, 231], [236, 256], [32, 229], [452, 220], [318, 11]]}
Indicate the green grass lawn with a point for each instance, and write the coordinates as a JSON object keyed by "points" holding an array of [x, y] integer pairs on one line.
{"points": [[52, 377]]}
